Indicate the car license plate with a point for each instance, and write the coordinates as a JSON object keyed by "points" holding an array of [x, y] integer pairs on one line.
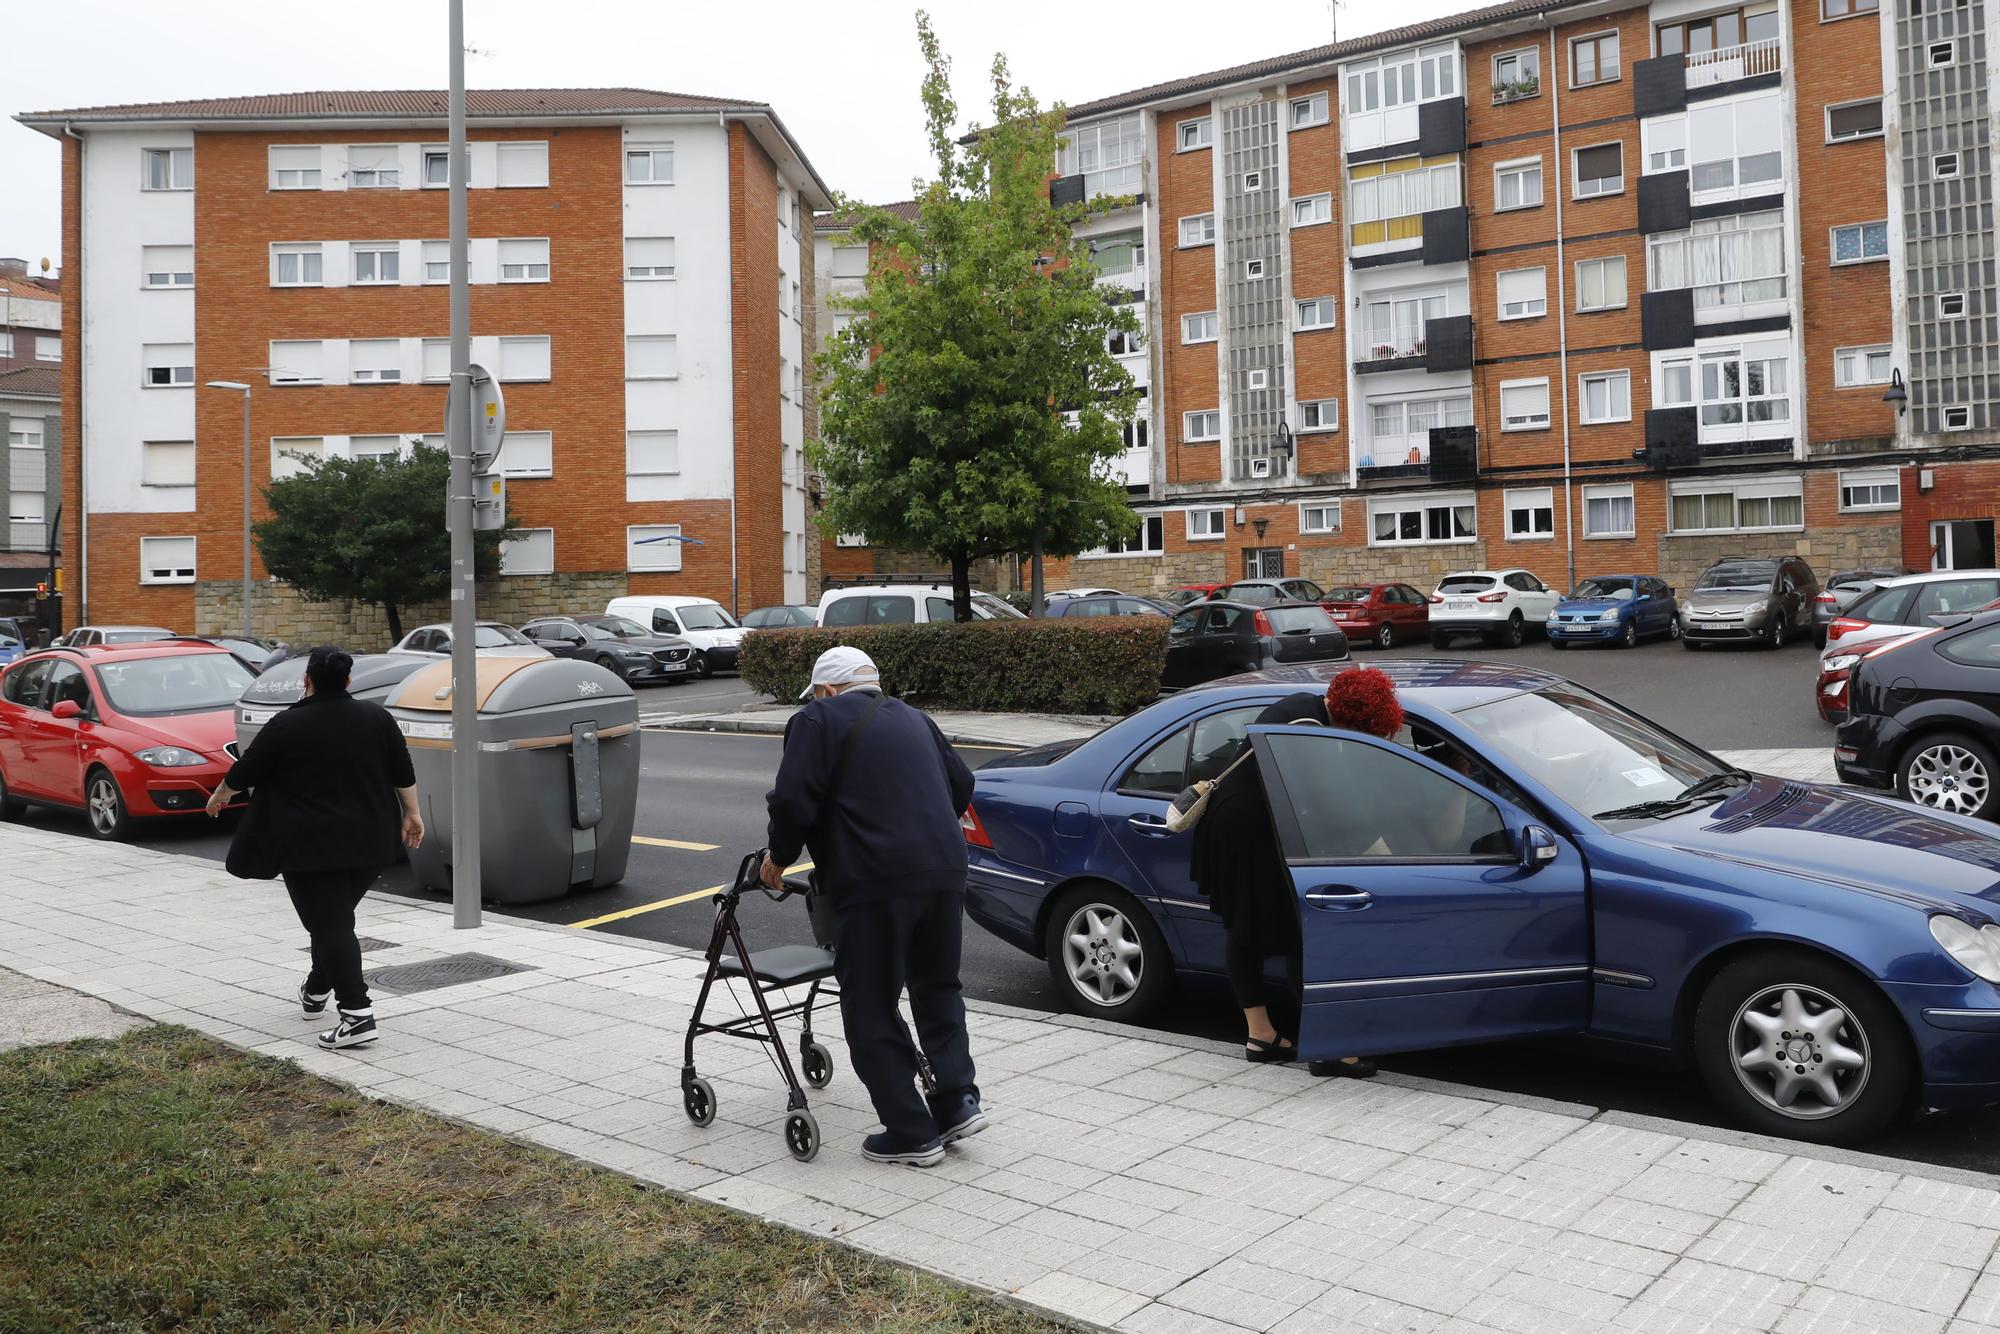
{"points": [[1458, 603], [258, 716]]}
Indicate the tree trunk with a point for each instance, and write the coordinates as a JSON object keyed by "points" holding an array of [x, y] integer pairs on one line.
{"points": [[961, 588], [1035, 607], [390, 610]]}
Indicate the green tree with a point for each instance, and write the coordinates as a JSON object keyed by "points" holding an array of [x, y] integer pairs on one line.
{"points": [[372, 530], [973, 407]]}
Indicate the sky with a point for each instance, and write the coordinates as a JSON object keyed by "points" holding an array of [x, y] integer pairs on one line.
{"points": [[842, 74]]}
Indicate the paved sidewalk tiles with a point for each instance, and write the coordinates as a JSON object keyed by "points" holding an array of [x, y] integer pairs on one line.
{"points": [[1143, 1182]]}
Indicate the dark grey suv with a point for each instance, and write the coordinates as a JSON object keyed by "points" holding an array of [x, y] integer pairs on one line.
{"points": [[615, 644], [1762, 600]]}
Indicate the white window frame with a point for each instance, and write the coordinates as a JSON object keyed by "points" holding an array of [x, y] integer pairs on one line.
{"points": [[1583, 382], [149, 471], [1188, 430], [174, 575], [1528, 421], [303, 250], [529, 275], [48, 348], [1212, 320], [1522, 167], [276, 364], [1727, 244], [1611, 491], [1253, 181], [1329, 306], [543, 565], [288, 450], [1873, 481], [1624, 283], [1738, 490], [151, 266], [296, 152], [1519, 55], [1875, 133], [1329, 507], [1531, 308], [1533, 500], [372, 447], [394, 173], [1318, 414], [180, 169], [511, 151], [1253, 268], [375, 374], [1957, 417], [1576, 172], [1618, 54], [1858, 357], [1714, 419], [432, 351], [1317, 210], [1861, 229], [1428, 508], [1944, 166], [176, 378], [654, 272], [653, 152], [28, 432], [378, 249], [649, 340], [1109, 154], [1663, 144], [1932, 50], [1209, 523], [669, 561], [439, 152], [1316, 111], [1257, 377], [537, 448], [431, 253], [521, 340], [1201, 129], [640, 442], [1204, 230], [1956, 299]]}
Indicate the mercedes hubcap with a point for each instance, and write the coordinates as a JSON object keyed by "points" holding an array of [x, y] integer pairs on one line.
{"points": [[1950, 778], [1800, 1052], [1102, 952]]}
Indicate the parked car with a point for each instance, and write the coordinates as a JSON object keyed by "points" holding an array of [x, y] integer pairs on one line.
{"points": [[1266, 592], [1750, 600], [118, 732], [703, 622], [1911, 602], [1923, 720], [87, 636], [1527, 859], [1498, 605], [905, 604], [1382, 614], [1117, 604], [375, 676], [1187, 593], [1058, 593], [1836, 670], [20, 635], [1616, 609], [489, 638], [616, 644], [1215, 639], [794, 617], [1842, 589], [10, 648], [254, 652]]}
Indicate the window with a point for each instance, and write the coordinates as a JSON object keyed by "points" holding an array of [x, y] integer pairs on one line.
{"points": [[1861, 365], [1737, 390], [435, 256], [1107, 154], [167, 169], [653, 547], [437, 167], [1855, 120], [784, 379], [1205, 425], [851, 540], [652, 453], [1308, 111], [652, 357], [1124, 344], [1420, 521], [436, 360], [1606, 396], [1397, 323], [1593, 59], [375, 446], [295, 266], [1150, 539], [1531, 514], [166, 463], [525, 261], [1841, 9], [1253, 268], [1600, 170], [1205, 327], [1517, 74], [1257, 378], [1118, 253], [524, 359], [1860, 242], [650, 164], [48, 347], [1871, 489], [1600, 283], [375, 361], [849, 261], [373, 167], [289, 453], [1517, 184], [1321, 516], [166, 560], [1950, 305], [1607, 511], [1253, 181], [1942, 54], [1730, 262], [1711, 507], [531, 551], [1944, 166], [6, 342], [167, 365], [1524, 405], [517, 166], [1957, 419], [1735, 148], [1523, 293], [1666, 140], [1387, 200], [377, 262], [1317, 313], [527, 454], [24, 433], [652, 257], [1401, 79], [295, 167], [1196, 133], [1207, 525], [297, 362], [1319, 414], [1310, 210]]}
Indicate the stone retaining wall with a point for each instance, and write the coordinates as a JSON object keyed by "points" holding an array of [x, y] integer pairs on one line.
{"points": [[281, 613]]}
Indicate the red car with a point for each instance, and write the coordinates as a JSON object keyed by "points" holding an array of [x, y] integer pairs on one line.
{"points": [[120, 731], [1382, 614]]}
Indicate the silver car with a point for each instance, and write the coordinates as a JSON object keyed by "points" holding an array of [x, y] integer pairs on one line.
{"points": [[1914, 602], [490, 639], [1762, 600]]}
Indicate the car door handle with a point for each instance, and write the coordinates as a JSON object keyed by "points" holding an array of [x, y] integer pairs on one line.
{"points": [[1339, 898], [1152, 825]]}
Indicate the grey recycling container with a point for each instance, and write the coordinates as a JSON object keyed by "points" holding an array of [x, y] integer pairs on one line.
{"points": [[375, 676], [558, 774]]}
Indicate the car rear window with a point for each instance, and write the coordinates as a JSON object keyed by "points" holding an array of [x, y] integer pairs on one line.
{"points": [[1466, 583], [1739, 574], [1349, 593], [1261, 595], [1299, 620], [1884, 605]]}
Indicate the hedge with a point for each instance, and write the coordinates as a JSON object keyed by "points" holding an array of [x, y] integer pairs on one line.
{"points": [[1097, 665]]}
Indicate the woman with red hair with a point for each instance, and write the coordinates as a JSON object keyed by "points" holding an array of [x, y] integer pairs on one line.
{"points": [[1236, 863]]}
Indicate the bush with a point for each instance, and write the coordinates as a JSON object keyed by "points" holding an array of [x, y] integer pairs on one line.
{"points": [[1099, 665]]}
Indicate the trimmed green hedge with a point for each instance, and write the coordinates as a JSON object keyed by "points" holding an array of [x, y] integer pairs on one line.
{"points": [[1097, 665]]}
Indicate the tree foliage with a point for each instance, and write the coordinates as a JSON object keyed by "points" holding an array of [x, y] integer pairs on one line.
{"points": [[973, 403], [372, 530]]}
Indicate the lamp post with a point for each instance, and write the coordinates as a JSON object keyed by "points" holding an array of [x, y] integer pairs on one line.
{"points": [[237, 386], [1898, 395]]}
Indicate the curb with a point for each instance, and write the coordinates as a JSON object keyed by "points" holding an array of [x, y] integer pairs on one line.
{"points": [[774, 727]]}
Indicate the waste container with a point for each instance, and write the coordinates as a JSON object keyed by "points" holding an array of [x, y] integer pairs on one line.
{"points": [[558, 774], [375, 675]]}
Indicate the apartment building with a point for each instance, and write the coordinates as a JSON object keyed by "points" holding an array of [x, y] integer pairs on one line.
{"points": [[639, 268], [1583, 287], [30, 488], [30, 316]]}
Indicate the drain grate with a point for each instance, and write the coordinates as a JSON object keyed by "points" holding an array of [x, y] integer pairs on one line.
{"points": [[450, 971], [369, 944]]}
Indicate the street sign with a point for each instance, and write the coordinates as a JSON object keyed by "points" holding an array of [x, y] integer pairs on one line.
{"points": [[489, 417], [489, 502]]}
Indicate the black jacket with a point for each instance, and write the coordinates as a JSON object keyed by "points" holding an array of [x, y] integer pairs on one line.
{"points": [[329, 767], [893, 826], [1234, 858]]}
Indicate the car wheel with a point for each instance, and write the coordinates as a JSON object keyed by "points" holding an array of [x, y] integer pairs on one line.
{"points": [[1630, 639], [1106, 954], [1674, 628], [104, 806], [1774, 638], [702, 670], [1385, 635], [1440, 640], [1794, 1044], [1951, 772], [10, 806], [1511, 634]]}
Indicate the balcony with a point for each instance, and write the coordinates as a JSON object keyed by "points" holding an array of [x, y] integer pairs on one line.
{"points": [[1441, 343], [1433, 453], [1727, 64]]}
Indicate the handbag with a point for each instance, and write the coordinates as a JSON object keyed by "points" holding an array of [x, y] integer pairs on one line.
{"points": [[1186, 810], [254, 850]]}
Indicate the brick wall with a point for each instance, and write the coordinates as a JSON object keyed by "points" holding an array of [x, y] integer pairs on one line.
{"points": [[759, 450], [1189, 377]]}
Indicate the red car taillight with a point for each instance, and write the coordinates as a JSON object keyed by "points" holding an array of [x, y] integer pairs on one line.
{"points": [[1437, 599], [1827, 598], [1492, 597], [975, 831], [1262, 624], [1845, 625]]}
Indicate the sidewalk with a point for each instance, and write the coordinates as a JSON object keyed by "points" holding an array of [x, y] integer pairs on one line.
{"points": [[1149, 1183]]}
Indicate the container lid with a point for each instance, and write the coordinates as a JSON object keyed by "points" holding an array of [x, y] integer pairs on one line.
{"points": [[512, 685]]}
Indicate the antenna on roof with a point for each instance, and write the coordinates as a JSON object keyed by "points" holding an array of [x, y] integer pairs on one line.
{"points": [[1333, 21]]}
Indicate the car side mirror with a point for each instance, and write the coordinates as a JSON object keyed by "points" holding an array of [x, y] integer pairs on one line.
{"points": [[66, 709], [1538, 848]]}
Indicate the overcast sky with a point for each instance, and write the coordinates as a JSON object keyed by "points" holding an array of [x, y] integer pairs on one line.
{"points": [[842, 75]]}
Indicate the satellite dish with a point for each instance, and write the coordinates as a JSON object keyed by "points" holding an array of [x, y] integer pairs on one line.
{"points": [[45, 263]]}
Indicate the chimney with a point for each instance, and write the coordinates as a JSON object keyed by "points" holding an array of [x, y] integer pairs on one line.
{"points": [[13, 268]]}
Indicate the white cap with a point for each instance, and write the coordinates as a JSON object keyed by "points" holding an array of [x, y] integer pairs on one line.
{"points": [[843, 666]]}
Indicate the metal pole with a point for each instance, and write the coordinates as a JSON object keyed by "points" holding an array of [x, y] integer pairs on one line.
{"points": [[465, 882], [248, 631]]}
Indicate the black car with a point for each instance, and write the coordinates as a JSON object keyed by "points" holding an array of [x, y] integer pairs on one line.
{"points": [[615, 644], [1265, 592], [781, 617], [1122, 605], [1923, 719], [1213, 639]]}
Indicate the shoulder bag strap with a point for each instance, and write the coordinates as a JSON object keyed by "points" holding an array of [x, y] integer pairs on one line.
{"points": [[847, 752]]}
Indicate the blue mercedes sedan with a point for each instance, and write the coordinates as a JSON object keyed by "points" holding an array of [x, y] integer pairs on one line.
{"points": [[1527, 858], [1619, 609]]}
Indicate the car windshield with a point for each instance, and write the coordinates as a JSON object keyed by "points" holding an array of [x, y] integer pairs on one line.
{"points": [[249, 650], [619, 627], [592, 630], [1349, 593], [1593, 754], [1619, 589], [182, 683], [1746, 574], [497, 636], [986, 607], [1466, 583], [705, 616], [135, 636], [1299, 620], [1262, 595]]}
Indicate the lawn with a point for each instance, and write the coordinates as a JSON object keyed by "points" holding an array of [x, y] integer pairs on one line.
{"points": [[163, 1181]]}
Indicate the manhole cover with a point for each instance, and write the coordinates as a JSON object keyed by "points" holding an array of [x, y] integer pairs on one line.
{"points": [[403, 979], [369, 944]]}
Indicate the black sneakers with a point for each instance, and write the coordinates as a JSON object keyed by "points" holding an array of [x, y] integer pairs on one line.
{"points": [[960, 1118], [881, 1147], [354, 1029], [314, 1006]]}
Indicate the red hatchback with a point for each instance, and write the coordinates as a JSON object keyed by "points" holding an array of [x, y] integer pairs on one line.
{"points": [[1381, 614], [120, 731]]}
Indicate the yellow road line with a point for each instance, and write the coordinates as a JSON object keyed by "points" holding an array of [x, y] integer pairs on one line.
{"points": [[624, 913], [682, 844]]}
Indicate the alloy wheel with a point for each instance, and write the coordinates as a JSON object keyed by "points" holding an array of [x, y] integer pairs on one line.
{"points": [[1385, 635], [1102, 954], [1631, 636], [1800, 1052], [103, 805], [1950, 778]]}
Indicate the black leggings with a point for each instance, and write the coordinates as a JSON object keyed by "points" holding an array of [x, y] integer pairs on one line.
{"points": [[1245, 957], [325, 902]]}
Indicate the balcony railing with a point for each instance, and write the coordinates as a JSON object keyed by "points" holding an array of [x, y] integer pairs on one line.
{"points": [[1705, 69], [1386, 342]]}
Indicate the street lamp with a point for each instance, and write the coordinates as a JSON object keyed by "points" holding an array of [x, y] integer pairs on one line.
{"points": [[1897, 396], [237, 386]]}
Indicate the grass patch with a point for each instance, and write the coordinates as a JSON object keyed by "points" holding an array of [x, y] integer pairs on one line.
{"points": [[163, 1181]]}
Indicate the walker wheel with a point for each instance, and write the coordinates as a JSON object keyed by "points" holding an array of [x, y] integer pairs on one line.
{"points": [[699, 1099], [802, 1135], [818, 1064]]}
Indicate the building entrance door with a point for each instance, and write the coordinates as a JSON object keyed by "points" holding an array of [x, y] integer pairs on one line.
{"points": [[1962, 544], [1269, 562]]}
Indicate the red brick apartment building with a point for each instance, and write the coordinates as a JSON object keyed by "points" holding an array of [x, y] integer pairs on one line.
{"points": [[642, 271]]}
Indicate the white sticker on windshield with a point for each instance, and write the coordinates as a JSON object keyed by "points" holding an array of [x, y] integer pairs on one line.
{"points": [[1645, 777]]}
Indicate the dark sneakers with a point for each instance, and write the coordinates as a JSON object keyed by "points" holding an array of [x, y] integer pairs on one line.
{"points": [[958, 1118], [355, 1029], [314, 1006], [883, 1147]]}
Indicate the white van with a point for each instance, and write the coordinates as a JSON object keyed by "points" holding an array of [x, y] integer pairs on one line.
{"points": [[904, 604], [703, 622]]}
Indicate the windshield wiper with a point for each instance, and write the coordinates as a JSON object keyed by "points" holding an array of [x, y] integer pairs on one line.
{"points": [[1713, 784], [1710, 786]]}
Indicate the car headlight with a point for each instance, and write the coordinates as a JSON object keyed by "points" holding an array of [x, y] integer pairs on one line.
{"points": [[171, 757], [634, 653], [1608, 616], [1978, 950], [1840, 662]]}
